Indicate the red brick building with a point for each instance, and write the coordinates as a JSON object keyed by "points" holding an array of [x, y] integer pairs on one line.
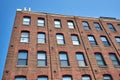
{"points": [[58, 47]]}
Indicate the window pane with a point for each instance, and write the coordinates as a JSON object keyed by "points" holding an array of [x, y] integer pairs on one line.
{"points": [[42, 78], [41, 55], [41, 38], [41, 22], [64, 63], [42, 59], [79, 56], [63, 56], [86, 26], [22, 62], [26, 21], [60, 39], [114, 60], [97, 26], [24, 37], [105, 41], [75, 39], [41, 62], [118, 40], [70, 24], [66, 78], [107, 77], [119, 25], [86, 78], [20, 78], [22, 55], [111, 27], [57, 24], [92, 40]]}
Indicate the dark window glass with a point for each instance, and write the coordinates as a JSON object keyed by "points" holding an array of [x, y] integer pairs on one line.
{"points": [[105, 41], [111, 27], [22, 58], [107, 77], [81, 59], [97, 26], [63, 59], [42, 61], [100, 59], [114, 59], [86, 26], [92, 40]]}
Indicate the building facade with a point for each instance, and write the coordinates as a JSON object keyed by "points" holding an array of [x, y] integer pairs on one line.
{"points": [[58, 47]]}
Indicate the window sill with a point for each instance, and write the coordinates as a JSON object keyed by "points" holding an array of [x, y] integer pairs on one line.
{"points": [[26, 24], [83, 66], [103, 66], [25, 42], [65, 67], [42, 66], [117, 66], [21, 66], [41, 43], [41, 26]]}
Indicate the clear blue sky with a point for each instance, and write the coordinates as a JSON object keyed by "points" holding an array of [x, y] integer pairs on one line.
{"points": [[89, 8]]}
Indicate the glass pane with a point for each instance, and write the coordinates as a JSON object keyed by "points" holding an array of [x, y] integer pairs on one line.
{"points": [[64, 63], [101, 63], [59, 36], [107, 77], [22, 55], [67, 78], [26, 19], [75, 42], [42, 78], [41, 55], [98, 56], [25, 34], [41, 62], [85, 78], [24, 40], [113, 57], [74, 37], [91, 38], [63, 56], [41, 41], [103, 39], [41, 35], [117, 39], [81, 63], [20, 78], [79, 56], [22, 62], [60, 41]]}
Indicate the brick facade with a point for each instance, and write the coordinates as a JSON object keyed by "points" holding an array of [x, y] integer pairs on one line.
{"points": [[53, 70]]}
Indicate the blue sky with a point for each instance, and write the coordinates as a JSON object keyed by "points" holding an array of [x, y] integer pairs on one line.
{"points": [[89, 8]]}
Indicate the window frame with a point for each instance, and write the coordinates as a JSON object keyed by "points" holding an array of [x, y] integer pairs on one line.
{"points": [[45, 58], [25, 38], [66, 60], [97, 26], [81, 60], [41, 22], [42, 77], [75, 41], [110, 77], [70, 24], [67, 76], [100, 60], [117, 40], [60, 38], [20, 77], [25, 59], [116, 60], [41, 38], [111, 27], [105, 41], [57, 23], [92, 40], [86, 25], [84, 76], [26, 20]]}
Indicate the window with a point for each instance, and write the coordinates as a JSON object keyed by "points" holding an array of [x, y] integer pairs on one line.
{"points": [[75, 40], [86, 77], [92, 40], [57, 23], [80, 59], [114, 59], [26, 20], [41, 22], [20, 78], [63, 59], [105, 41], [67, 78], [41, 38], [71, 24], [118, 25], [117, 39], [100, 59], [107, 77], [86, 26], [97, 26], [111, 27], [22, 58], [24, 36], [42, 78], [42, 61], [60, 39]]}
